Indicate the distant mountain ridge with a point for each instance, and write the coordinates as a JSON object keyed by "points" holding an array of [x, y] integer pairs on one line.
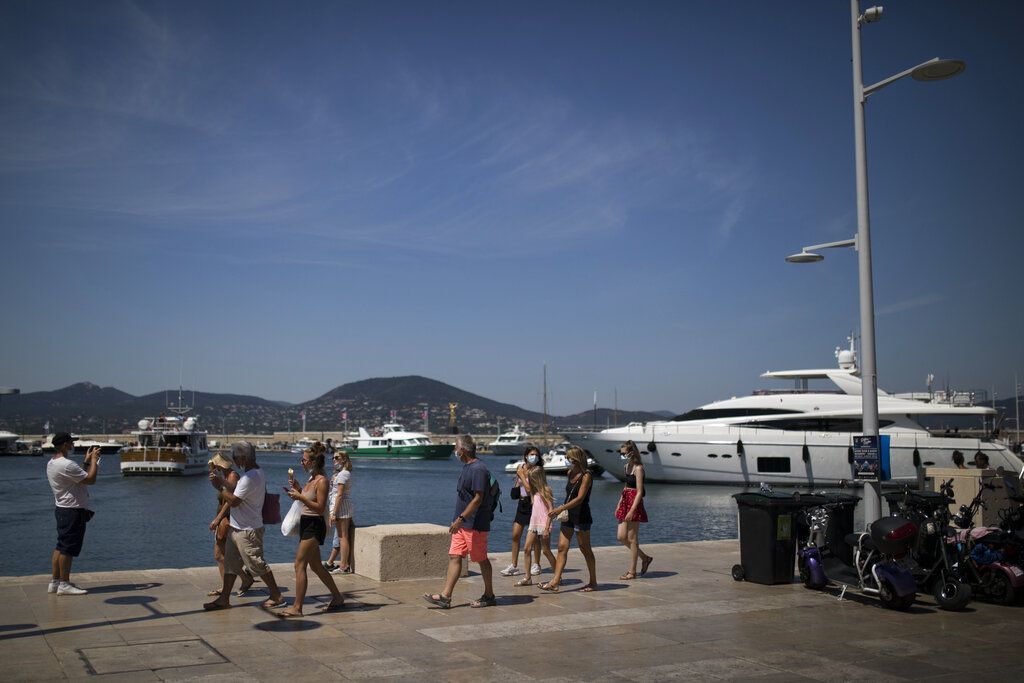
{"points": [[88, 408]]}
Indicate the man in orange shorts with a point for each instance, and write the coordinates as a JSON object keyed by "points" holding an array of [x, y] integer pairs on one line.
{"points": [[470, 526]]}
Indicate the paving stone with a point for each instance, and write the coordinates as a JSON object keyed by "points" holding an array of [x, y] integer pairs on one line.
{"points": [[688, 619]]}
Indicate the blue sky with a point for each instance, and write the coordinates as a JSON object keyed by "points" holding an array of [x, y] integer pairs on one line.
{"points": [[285, 197]]}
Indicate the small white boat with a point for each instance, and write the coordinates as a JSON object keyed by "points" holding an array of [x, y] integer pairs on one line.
{"points": [[301, 446], [555, 462], [510, 443]]}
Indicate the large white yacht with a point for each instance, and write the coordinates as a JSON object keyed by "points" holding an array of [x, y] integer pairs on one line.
{"points": [[510, 443], [793, 437]]}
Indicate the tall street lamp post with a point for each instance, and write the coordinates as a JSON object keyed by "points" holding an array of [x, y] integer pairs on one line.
{"points": [[932, 70]]}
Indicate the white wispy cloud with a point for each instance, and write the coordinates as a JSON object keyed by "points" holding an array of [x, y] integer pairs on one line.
{"points": [[910, 304]]}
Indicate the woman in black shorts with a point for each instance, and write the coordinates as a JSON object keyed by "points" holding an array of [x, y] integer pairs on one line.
{"points": [[524, 508], [312, 531]]}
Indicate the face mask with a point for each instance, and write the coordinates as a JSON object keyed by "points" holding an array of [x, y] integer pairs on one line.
{"points": [[532, 459], [623, 456]]}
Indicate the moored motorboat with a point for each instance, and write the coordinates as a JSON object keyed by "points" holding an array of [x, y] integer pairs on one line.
{"points": [[555, 462], [794, 437], [165, 445], [393, 441], [510, 443]]}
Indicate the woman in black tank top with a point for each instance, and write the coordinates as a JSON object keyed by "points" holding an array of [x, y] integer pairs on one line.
{"points": [[630, 511], [577, 505]]}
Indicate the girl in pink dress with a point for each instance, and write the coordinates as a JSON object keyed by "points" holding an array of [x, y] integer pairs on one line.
{"points": [[540, 522]]}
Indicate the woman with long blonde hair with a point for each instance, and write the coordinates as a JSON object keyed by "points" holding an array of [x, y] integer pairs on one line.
{"points": [[577, 505], [341, 511], [630, 511], [540, 523]]}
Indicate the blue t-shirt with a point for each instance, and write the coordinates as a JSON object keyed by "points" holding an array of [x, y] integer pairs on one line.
{"points": [[474, 478]]}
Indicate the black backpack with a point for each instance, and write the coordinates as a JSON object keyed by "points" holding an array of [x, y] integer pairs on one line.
{"points": [[495, 494]]}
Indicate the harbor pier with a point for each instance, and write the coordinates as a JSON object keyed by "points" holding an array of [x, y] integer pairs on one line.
{"points": [[686, 619]]}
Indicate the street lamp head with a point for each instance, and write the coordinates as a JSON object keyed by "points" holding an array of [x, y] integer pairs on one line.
{"points": [[805, 257], [872, 14], [938, 69]]}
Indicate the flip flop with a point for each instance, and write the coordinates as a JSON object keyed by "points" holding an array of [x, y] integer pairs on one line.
{"points": [[333, 607], [547, 587], [524, 582], [290, 615], [646, 563], [213, 593], [214, 606], [270, 604], [628, 576], [242, 590], [588, 589]]}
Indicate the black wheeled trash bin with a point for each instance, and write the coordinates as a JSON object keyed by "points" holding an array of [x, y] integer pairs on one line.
{"points": [[767, 536]]}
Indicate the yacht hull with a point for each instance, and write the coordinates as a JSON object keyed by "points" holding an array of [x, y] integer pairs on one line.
{"points": [[711, 454], [418, 452], [138, 461]]}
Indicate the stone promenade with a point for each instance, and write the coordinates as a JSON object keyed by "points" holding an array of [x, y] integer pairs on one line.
{"points": [[687, 619]]}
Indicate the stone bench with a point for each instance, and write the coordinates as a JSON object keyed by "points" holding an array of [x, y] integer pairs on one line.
{"points": [[394, 552]]}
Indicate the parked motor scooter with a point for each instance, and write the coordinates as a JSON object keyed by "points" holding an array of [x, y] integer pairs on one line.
{"points": [[992, 555], [936, 559], [875, 570]]}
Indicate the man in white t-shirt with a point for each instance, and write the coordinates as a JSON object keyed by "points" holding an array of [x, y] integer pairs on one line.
{"points": [[68, 482], [244, 548]]}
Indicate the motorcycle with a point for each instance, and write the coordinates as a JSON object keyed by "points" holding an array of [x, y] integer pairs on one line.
{"points": [[992, 562], [874, 570], [936, 558]]}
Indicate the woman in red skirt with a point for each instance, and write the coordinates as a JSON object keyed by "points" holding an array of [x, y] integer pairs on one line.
{"points": [[630, 511]]}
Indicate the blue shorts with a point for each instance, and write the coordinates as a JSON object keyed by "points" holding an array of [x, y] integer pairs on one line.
{"points": [[577, 527], [71, 529]]}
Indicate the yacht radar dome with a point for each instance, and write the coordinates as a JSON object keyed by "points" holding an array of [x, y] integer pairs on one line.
{"points": [[144, 425]]}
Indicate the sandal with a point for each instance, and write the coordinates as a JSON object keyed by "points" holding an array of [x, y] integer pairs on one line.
{"points": [[270, 604], [548, 587], [589, 588], [289, 615], [646, 563], [524, 582], [215, 592], [213, 606], [628, 576], [485, 601], [438, 600], [332, 607]]}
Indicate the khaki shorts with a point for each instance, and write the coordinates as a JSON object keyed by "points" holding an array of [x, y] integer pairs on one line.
{"points": [[245, 548]]}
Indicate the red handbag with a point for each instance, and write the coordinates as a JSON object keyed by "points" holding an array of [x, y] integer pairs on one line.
{"points": [[272, 508]]}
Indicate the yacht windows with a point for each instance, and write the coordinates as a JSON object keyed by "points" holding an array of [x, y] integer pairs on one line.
{"points": [[816, 424], [722, 413], [773, 465]]}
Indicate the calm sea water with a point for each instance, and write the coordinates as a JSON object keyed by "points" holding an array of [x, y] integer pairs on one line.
{"points": [[154, 522]]}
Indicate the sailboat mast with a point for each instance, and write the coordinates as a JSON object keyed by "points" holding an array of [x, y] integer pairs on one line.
{"points": [[544, 426]]}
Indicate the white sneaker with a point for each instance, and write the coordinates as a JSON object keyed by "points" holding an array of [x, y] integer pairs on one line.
{"points": [[66, 588], [52, 588], [535, 569], [510, 570]]}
